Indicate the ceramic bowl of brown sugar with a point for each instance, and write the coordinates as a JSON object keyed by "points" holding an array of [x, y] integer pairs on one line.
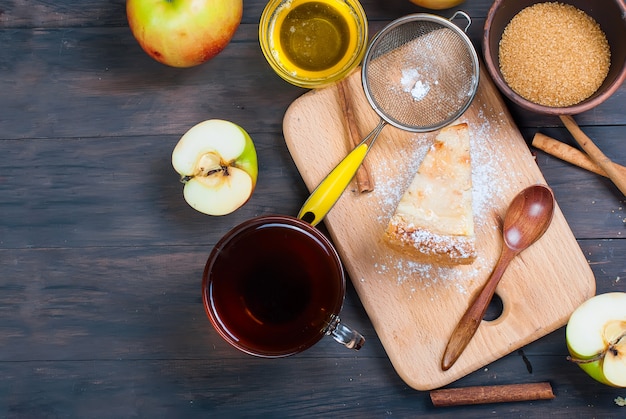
{"points": [[557, 58]]}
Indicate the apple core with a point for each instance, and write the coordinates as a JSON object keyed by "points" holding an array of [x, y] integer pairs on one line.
{"points": [[596, 338], [217, 163]]}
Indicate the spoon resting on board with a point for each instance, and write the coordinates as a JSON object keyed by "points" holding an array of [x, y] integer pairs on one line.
{"points": [[529, 215]]}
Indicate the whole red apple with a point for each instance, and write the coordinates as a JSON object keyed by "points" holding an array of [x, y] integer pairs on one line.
{"points": [[183, 33]]}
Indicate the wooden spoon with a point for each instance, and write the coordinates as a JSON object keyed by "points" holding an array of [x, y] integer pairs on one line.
{"points": [[527, 218]]}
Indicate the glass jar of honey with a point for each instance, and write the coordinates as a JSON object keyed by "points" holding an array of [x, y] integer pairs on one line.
{"points": [[312, 43]]}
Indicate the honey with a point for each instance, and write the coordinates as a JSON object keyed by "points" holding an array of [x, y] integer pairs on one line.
{"points": [[314, 39]]}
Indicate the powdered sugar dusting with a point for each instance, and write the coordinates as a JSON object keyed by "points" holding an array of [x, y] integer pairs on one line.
{"points": [[412, 83], [391, 187], [485, 168], [486, 189]]}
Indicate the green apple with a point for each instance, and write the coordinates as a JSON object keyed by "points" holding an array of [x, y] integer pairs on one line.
{"points": [[183, 33], [596, 338], [217, 162]]}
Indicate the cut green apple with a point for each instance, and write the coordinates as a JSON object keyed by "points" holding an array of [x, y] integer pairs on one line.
{"points": [[596, 338], [217, 162]]}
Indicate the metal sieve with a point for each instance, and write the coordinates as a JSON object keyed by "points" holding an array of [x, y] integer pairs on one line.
{"points": [[419, 74]]}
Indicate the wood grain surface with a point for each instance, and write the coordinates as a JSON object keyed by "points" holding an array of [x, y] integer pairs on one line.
{"points": [[101, 258], [414, 307]]}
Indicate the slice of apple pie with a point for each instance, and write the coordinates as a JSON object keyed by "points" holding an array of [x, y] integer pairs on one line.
{"points": [[434, 221]]}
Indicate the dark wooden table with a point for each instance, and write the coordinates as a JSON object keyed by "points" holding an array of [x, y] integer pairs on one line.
{"points": [[101, 258]]}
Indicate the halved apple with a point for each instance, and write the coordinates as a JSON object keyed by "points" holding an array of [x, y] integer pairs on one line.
{"points": [[217, 162], [596, 338]]}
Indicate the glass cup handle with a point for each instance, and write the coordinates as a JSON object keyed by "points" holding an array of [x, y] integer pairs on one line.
{"points": [[351, 339]]}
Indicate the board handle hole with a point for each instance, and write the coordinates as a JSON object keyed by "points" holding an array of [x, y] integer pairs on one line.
{"points": [[494, 309]]}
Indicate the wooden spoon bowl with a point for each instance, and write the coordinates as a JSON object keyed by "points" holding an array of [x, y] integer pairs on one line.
{"points": [[528, 217]]}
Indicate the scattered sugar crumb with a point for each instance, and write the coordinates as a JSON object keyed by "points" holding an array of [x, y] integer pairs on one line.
{"points": [[620, 401], [412, 83]]}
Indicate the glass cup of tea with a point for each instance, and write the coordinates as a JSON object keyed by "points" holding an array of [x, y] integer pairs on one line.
{"points": [[273, 286]]}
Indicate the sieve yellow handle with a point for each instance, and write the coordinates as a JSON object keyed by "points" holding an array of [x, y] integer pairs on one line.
{"points": [[328, 192]]}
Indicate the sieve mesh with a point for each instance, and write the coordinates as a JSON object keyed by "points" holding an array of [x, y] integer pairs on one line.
{"points": [[420, 73]]}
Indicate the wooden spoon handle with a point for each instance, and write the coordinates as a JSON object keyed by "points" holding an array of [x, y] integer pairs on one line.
{"points": [[467, 326], [618, 178]]}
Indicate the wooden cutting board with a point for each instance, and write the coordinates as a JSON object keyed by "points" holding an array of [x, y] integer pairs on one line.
{"points": [[414, 307]]}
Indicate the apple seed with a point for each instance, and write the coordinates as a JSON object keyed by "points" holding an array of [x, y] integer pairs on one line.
{"points": [[209, 164]]}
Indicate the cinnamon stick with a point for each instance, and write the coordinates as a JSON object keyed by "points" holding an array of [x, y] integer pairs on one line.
{"points": [[617, 177], [491, 394], [566, 153], [570, 154], [363, 179]]}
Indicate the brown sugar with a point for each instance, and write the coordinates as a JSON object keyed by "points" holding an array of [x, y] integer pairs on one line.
{"points": [[554, 54]]}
